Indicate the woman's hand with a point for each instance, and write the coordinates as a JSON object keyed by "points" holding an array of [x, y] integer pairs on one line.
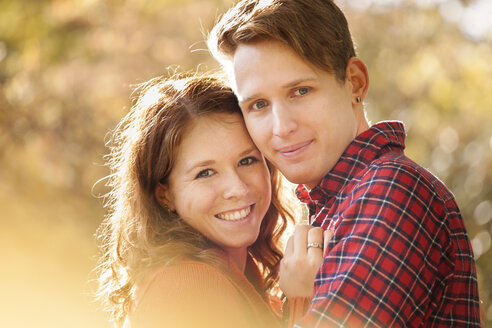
{"points": [[303, 256]]}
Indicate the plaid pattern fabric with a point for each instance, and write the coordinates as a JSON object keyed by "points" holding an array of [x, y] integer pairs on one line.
{"points": [[400, 255]]}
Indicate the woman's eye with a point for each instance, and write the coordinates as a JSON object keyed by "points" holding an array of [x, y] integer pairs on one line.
{"points": [[248, 160], [301, 91], [204, 174], [258, 105]]}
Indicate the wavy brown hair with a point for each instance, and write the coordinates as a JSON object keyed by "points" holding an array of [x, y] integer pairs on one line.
{"points": [[138, 233]]}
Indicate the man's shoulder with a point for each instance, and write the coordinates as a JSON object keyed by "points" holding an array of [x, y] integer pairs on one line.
{"points": [[395, 169]]}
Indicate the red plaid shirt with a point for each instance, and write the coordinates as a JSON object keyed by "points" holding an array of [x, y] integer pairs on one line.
{"points": [[400, 254]]}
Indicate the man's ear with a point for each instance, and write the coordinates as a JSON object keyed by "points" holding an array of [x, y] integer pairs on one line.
{"points": [[163, 196], [358, 77]]}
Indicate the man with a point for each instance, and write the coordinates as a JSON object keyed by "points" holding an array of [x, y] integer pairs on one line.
{"points": [[400, 254]]}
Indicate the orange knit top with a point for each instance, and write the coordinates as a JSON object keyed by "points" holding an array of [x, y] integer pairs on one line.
{"points": [[196, 294]]}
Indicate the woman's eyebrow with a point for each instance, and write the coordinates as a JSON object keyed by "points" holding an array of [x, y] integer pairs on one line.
{"points": [[247, 151], [200, 164]]}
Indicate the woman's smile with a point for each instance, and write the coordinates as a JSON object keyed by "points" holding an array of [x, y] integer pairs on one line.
{"points": [[235, 215]]}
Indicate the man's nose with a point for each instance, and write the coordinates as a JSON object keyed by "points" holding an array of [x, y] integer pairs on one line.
{"points": [[284, 120]]}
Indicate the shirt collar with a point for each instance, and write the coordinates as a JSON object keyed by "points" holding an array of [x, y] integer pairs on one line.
{"points": [[366, 147]]}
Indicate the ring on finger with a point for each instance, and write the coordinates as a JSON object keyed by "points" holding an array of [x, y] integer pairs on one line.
{"points": [[315, 245]]}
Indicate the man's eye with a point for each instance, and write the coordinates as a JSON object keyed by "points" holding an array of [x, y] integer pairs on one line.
{"points": [[259, 105], [204, 174], [301, 91], [248, 161]]}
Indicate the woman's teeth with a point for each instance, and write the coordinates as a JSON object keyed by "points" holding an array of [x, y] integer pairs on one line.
{"points": [[235, 215]]}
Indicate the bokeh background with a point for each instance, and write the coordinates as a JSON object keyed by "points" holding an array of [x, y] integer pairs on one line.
{"points": [[66, 73]]}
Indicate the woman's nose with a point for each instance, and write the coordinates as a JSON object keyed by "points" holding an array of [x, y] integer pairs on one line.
{"points": [[234, 186]]}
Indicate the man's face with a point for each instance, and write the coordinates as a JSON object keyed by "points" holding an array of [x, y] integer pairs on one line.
{"points": [[300, 117]]}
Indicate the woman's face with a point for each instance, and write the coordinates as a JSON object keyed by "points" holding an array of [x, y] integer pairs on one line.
{"points": [[220, 184]]}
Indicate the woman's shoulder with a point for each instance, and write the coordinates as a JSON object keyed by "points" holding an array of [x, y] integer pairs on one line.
{"points": [[190, 294], [185, 269], [180, 278]]}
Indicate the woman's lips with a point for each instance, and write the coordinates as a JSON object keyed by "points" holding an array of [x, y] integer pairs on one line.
{"points": [[235, 215]]}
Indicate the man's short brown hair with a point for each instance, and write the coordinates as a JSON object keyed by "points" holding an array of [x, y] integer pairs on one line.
{"points": [[316, 30]]}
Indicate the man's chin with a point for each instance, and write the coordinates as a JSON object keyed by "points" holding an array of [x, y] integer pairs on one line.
{"points": [[301, 178]]}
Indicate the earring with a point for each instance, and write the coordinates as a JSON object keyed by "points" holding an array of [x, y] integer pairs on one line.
{"points": [[357, 99], [167, 209]]}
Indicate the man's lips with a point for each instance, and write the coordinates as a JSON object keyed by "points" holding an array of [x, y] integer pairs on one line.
{"points": [[294, 149]]}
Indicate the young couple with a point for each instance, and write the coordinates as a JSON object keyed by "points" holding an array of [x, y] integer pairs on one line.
{"points": [[192, 238]]}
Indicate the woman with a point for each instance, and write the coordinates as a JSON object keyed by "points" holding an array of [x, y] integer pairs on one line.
{"points": [[192, 237]]}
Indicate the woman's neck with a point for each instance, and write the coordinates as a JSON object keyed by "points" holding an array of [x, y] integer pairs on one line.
{"points": [[238, 257]]}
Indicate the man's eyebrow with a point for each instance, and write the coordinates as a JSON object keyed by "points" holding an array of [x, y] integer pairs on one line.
{"points": [[285, 86], [298, 81], [248, 99]]}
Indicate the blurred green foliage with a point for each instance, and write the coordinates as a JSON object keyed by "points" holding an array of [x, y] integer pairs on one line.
{"points": [[66, 73]]}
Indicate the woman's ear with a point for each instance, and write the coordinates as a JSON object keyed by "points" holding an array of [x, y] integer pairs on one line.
{"points": [[163, 196], [358, 77]]}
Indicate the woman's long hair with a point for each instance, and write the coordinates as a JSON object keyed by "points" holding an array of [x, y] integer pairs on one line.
{"points": [[138, 233]]}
